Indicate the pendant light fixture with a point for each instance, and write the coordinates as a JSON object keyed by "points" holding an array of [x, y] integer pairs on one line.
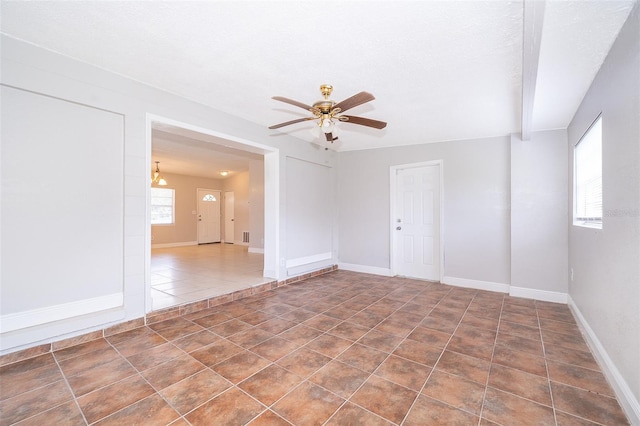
{"points": [[156, 177]]}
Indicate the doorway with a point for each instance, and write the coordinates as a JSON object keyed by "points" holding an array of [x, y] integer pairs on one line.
{"points": [[208, 224], [416, 220], [204, 140]]}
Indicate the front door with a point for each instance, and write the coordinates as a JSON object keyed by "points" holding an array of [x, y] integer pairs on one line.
{"points": [[416, 224], [208, 216]]}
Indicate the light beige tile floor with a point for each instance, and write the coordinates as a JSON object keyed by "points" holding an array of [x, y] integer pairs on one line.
{"points": [[187, 274]]}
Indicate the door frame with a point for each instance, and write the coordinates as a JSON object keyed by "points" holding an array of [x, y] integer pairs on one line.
{"points": [[393, 192], [226, 239], [198, 211], [271, 195]]}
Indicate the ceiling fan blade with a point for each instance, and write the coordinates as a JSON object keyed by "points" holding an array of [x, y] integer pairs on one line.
{"points": [[354, 101], [298, 120], [363, 121], [292, 102]]}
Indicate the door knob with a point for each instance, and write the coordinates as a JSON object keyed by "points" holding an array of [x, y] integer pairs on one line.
{"points": [[398, 228]]}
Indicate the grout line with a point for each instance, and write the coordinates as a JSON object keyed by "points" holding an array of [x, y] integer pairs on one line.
{"points": [[486, 385], [444, 348]]}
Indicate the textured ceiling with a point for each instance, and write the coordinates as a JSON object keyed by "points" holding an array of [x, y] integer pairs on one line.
{"points": [[440, 70]]}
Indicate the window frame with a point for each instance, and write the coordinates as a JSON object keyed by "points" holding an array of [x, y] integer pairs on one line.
{"points": [[173, 206], [586, 221]]}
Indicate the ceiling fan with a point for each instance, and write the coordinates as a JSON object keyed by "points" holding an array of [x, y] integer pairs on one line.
{"points": [[326, 111]]}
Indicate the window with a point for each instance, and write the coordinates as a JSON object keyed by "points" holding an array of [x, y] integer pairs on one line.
{"points": [[587, 177], [208, 197], [162, 206]]}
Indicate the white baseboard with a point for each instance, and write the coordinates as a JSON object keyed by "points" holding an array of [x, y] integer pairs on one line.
{"points": [[33, 317], [169, 245], [300, 261], [478, 285], [256, 250], [309, 267], [625, 396], [375, 270], [545, 295]]}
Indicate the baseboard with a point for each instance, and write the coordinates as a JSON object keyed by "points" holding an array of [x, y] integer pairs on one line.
{"points": [[478, 285], [625, 396], [256, 250], [300, 261], [375, 270], [544, 295], [169, 245], [34, 317]]}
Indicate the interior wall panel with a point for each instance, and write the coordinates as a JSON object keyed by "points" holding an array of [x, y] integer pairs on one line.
{"points": [[62, 204]]}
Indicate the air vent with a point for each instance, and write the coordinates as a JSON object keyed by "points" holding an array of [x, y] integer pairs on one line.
{"points": [[245, 236]]}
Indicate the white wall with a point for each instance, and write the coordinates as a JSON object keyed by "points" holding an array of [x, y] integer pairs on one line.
{"points": [[62, 187], [256, 200], [310, 207], [39, 71], [539, 214], [605, 291], [476, 207]]}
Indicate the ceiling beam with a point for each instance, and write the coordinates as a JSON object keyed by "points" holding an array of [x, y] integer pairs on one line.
{"points": [[533, 19]]}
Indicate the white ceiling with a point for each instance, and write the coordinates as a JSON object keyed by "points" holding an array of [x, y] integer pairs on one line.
{"points": [[440, 70]]}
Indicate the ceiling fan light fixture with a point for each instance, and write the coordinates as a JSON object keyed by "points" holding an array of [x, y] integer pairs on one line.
{"points": [[325, 111], [327, 124]]}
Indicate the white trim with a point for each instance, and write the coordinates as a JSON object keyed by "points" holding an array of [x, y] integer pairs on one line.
{"points": [[392, 210], [375, 270], [256, 250], [309, 267], [533, 18], [33, 317], [293, 263], [479, 285], [545, 295], [628, 401], [168, 245], [240, 244]]}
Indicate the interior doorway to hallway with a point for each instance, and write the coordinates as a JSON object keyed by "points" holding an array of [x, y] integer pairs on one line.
{"points": [[178, 270]]}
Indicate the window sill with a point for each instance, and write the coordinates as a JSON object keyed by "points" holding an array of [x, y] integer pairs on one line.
{"points": [[590, 225]]}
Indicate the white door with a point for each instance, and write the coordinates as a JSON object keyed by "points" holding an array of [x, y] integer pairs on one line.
{"points": [[416, 225], [208, 216], [229, 209]]}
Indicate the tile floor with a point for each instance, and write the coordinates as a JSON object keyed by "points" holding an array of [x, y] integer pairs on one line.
{"points": [[181, 275], [338, 349]]}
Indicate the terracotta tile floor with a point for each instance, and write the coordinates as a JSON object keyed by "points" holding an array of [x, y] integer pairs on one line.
{"points": [[338, 349]]}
